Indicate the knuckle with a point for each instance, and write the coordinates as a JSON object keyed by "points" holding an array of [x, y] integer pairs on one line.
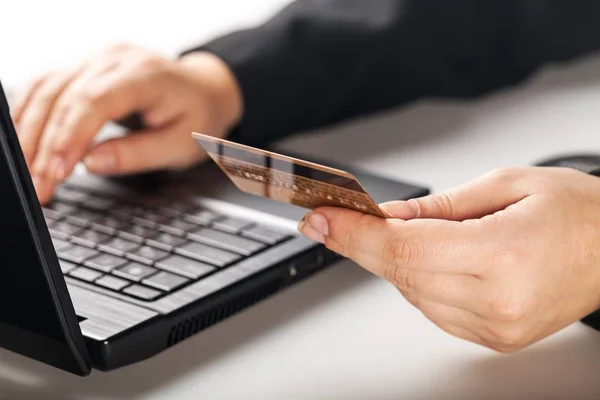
{"points": [[149, 62], [507, 255], [506, 176], [403, 278], [443, 203], [59, 112], [46, 95], [35, 83], [399, 250], [93, 95], [508, 309], [119, 47]]}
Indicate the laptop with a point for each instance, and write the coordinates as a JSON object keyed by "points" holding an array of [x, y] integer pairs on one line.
{"points": [[115, 271]]}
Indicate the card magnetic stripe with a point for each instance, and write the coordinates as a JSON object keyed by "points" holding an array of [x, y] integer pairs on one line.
{"points": [[281, 165]]}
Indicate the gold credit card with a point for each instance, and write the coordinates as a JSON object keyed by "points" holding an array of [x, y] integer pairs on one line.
{"points": [[286, 179]]}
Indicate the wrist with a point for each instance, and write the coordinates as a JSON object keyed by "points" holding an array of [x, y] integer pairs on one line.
{"points": [[214, 78]]}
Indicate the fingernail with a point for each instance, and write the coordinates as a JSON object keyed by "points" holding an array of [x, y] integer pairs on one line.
{"points": [[101, 161], [310, 233], [57, 168], [318, 222], [401, 209]]}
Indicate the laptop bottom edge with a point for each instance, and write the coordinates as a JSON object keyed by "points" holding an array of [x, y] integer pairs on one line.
{"points": [[158, 334]]}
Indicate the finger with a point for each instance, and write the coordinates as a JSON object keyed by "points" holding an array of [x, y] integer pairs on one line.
{"points": [[454, 290], [475, 199], [75, 122], [84, 77], [142, 152], [64, 85], [35, 116], [426, 245], [46, 176], [454, 321], [86, 109], [22, 99], [400, 209]]}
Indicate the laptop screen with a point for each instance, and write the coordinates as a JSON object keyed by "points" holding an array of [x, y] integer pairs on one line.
{"points": [[36, 316]]}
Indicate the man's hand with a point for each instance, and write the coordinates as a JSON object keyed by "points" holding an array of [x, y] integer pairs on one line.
{"points": [[58, 115], [503, 261]]}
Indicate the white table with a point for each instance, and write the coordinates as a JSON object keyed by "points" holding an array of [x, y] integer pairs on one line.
{"points": [[342, 334]]}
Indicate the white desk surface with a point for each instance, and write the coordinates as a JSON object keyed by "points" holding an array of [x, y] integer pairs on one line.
{"points": [[342, 334]]}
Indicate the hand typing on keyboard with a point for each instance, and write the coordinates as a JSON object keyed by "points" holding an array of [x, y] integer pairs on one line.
{"points": [[59, 114]]}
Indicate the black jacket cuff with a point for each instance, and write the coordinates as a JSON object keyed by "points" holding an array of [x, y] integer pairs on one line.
{"points": [[593, 320]]}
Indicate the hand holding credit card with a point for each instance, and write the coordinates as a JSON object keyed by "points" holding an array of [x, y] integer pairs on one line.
{"points": [[286, 179]]}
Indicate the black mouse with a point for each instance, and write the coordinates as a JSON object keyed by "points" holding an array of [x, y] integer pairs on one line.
{"points": [[588, 163]]}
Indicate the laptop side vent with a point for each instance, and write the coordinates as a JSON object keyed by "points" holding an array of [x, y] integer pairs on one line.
{"points": [[197, 323]]}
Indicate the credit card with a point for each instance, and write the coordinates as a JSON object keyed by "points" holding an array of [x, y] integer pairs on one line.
{"points": [[286, 179]]}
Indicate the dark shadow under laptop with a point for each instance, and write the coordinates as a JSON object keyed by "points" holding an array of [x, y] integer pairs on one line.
{"points": [[113, 272]]}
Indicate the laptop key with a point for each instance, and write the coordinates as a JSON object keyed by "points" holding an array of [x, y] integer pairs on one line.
{"points": [[64, 228], [109, 225], [201, 216], [126, 211], [77, 254], [112, 282], [66, 266], [175, 209], [105, 262], [264, 235], [87, 215], [99, 203], [165, 281], [142, 292], [147, 255], [58, 235], [134, 271], [185, 266], [165, 241], [90, 238], [118, 246], [149, 219], [77, 221], [85, 274], [177, 227], [136, 233], [70, 196], [59, 244], [51, 214], [208, 254], [62, 208], [231, 225], [226, 241]]}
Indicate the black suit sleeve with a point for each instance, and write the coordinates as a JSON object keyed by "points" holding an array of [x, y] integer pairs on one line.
{"points": [[319, 62]]}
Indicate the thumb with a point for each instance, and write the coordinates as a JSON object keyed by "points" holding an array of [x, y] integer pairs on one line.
{"points": [[485, 195], [142, 152]]}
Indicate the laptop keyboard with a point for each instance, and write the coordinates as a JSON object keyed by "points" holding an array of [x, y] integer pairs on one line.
{"points": [[147, 251]]}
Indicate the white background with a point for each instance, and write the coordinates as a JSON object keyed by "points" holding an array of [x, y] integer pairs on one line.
{"points": [[342, 334]]}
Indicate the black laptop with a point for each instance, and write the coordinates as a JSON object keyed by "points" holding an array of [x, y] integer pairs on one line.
{"points": [[112, 272]]}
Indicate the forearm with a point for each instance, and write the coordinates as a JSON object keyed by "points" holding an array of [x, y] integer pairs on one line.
{"points": [[318, 63]]}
